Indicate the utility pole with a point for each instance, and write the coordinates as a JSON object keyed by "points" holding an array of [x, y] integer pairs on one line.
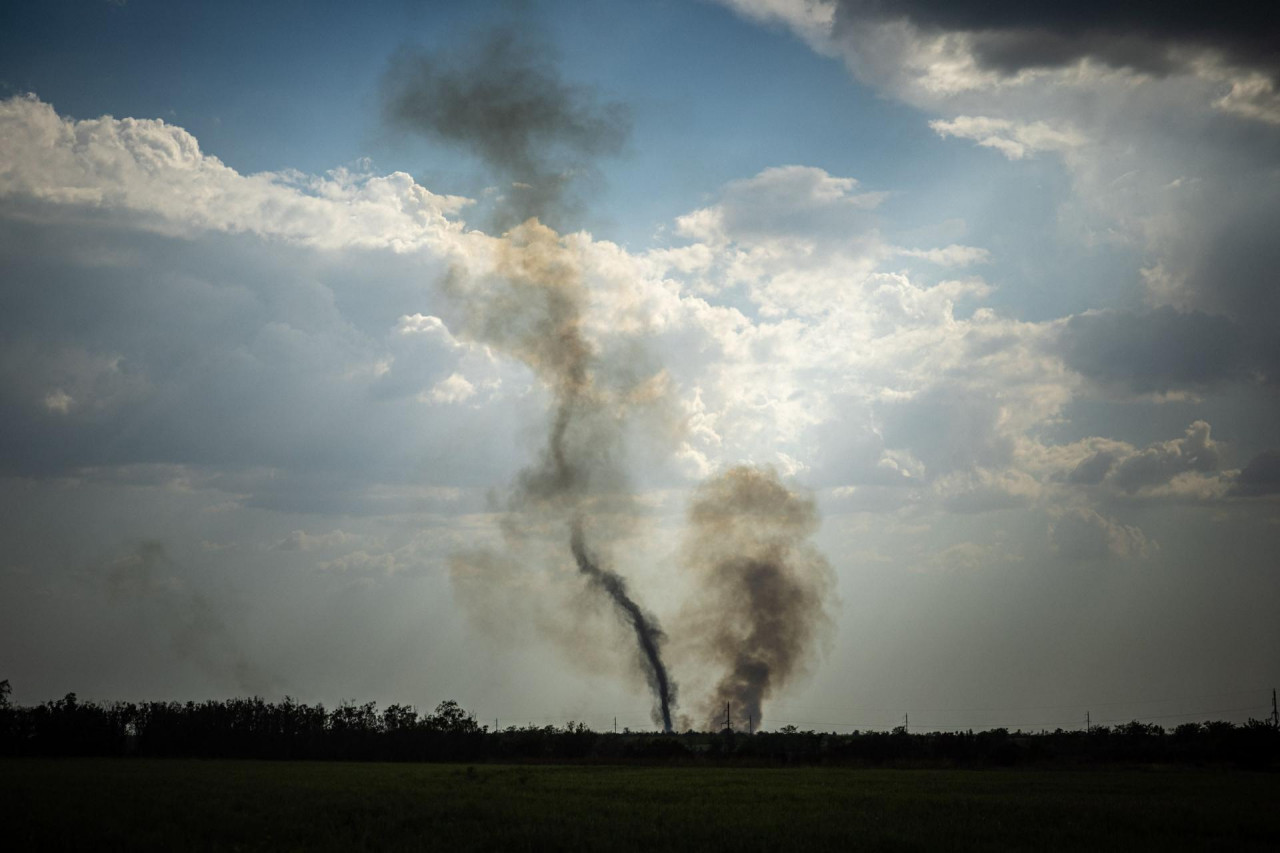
{"points": [[615, 725], [727, 723], [1087, 723], [906, 722], [751, 725], [1275, 717]]}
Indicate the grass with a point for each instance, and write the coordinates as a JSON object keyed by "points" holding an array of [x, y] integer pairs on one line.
{"points": [[256, 805]]}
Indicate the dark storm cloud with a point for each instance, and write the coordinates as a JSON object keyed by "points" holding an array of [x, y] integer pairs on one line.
{"points": [[1130, 470], [1010, 35], [504, 100], [1082, 534], [1094, 469], [1231, 254], [1157, 351], [1260, 477], [1159, 463]]}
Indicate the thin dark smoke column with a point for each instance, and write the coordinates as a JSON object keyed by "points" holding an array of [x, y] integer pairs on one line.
{"points": [[648, 634]]}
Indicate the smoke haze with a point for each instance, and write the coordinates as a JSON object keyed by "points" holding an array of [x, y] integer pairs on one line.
{"points": [[764, 593]]}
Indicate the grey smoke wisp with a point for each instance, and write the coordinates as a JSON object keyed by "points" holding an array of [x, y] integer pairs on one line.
{"points": [[145, 577], [502, 98], [764, 593]]}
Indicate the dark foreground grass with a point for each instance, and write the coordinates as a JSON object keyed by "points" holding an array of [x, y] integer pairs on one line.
{"points": [[254, 805]]}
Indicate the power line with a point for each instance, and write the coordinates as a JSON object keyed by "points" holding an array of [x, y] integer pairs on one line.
{"points": [[1195, 713], [1025, 725], [1077, 705], [882, 724], [1044, 724]]}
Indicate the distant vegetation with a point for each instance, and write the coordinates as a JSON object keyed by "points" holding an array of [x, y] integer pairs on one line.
{"points": [[255, 728]]}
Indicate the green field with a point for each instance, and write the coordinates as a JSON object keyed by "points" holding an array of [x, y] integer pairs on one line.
{"points": [[249, 805]]}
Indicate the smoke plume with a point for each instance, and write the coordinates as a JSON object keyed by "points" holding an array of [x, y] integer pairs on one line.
{"points": [[764, 592], [505, 100]]}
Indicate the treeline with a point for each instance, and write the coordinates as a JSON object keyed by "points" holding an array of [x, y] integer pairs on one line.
{"points": [[255, 728], [1253, 745]]}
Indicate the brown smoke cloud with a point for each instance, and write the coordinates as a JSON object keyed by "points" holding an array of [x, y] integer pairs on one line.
{"points": [[532, 309], [764, 594]]}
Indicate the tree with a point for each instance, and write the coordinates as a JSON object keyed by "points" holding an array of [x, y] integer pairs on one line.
{"points": [[449, 717], [398, 718]]}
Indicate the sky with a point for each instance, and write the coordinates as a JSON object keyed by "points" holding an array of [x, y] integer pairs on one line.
{"points": [[888, 358]]}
